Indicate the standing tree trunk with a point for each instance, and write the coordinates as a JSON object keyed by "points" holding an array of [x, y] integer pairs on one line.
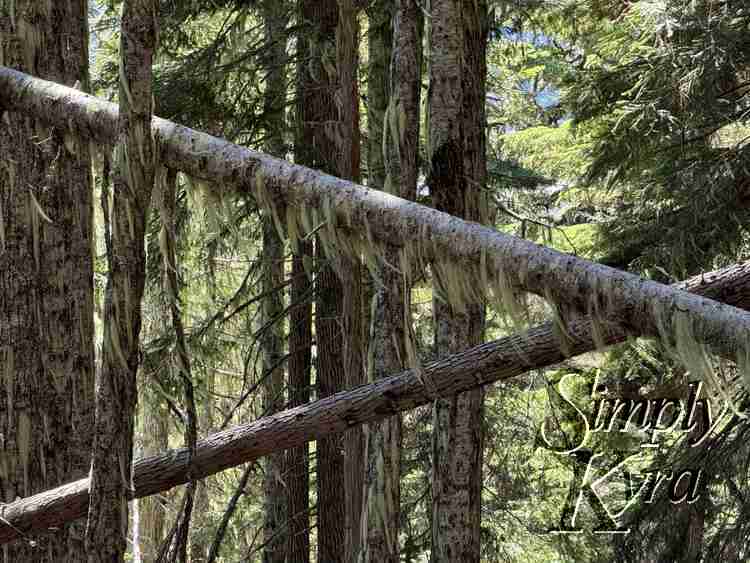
{"points": [[330, 124], [46, 278], [318, 80], [350, 269], [457, 175], [200, 532], [111, 470], [298, 463], [300, 328], [275, 18], [379, 520], [395, 126]]}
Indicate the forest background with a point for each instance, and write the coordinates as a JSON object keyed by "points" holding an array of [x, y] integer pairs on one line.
{"points": [[612, 130]]}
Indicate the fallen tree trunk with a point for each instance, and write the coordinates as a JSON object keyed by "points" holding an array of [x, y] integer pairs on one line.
{"points": [[641, 306], [539, 347]]}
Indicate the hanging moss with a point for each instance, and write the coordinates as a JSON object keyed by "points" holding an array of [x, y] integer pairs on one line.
{"points": [[35, 213]]}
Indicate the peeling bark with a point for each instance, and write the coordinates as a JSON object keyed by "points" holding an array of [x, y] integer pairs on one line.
{"points": [[46, 278], [536, 348], [641, 306], [116, 391]]}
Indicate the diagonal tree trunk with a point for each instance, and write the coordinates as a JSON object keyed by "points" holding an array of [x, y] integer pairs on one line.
{"points": [[476, 252], [46, 278], [508, 357], [111, 469]]}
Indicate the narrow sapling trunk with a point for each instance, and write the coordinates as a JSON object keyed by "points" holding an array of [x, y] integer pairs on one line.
{"points": [[111, 469]]}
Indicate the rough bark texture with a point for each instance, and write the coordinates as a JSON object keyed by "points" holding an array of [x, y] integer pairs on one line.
{"points": [[407, 88], [46, 278], [321, 131], [395, 52], [536, 348], [275, 19], [300, 355], [111, 470], [350, 269], [330, 123], [641, 306], [380, 505], [300, 338], [457, 177]]}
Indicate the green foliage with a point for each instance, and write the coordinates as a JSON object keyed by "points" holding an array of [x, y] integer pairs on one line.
{"points": [[666, 102], [618, 132]]}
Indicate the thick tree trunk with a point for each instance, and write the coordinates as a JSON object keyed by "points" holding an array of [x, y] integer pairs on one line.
{"points": [[321, 128], [503, 359], [347, 56], [46, 278], [456, 180], [640, 306], [111, 469], [275, 16]]}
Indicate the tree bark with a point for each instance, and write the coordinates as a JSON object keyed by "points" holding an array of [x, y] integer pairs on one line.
{"points": [[116, 391], [378, 522], [46, 278], [300, 332], [508, 357], [300, 359], [395, 75], [323, 131], [641, 306], [275, 15], [350, 267], [457, 180]]}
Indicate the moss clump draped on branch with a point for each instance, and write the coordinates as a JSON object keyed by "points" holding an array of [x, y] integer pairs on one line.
{"points": [[641, 306]]}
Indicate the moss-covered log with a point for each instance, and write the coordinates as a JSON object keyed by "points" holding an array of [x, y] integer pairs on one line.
{"points": [[484, 364], [640, 306]]}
